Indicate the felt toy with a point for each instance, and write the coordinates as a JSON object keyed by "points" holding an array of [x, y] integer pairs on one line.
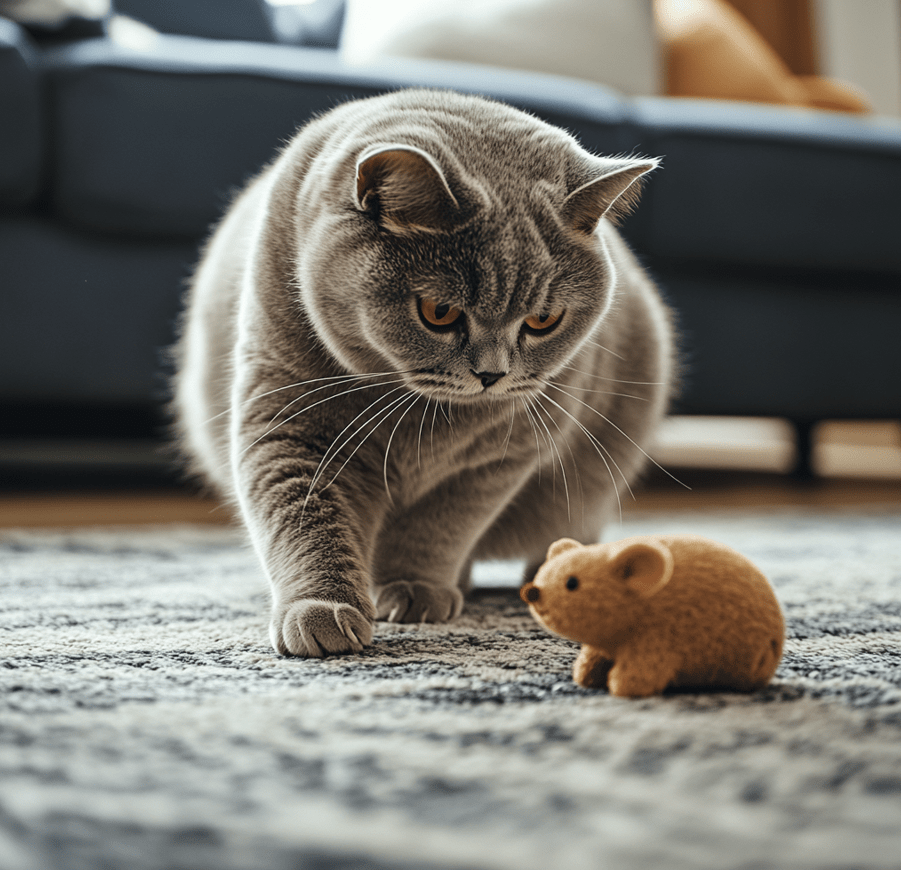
{"points": [[658, 612]]}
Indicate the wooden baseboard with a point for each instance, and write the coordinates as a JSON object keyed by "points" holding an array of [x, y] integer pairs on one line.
{"points": [[709, 490]]}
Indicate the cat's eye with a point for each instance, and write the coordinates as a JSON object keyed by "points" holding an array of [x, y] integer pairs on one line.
{"points": [[539, 323], [438, 314]]}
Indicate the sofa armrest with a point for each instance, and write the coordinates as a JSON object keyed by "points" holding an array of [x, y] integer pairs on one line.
{"points": [[21, 129]]}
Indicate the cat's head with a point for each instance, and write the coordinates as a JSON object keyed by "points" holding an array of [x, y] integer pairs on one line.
{"points": [[471, 262]]}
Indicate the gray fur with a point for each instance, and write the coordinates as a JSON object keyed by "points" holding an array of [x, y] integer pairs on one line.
{"points": [[315, 274]]}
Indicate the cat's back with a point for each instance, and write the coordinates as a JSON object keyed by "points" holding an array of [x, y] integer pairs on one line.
{"points": [[209, 330]]}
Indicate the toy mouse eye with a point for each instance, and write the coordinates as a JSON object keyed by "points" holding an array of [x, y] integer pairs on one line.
{"points": [[572, 583]]}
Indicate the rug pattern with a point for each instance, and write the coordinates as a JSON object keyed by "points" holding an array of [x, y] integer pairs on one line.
{"points": [[144, 721]]}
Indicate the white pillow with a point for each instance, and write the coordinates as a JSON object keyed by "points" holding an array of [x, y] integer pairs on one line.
{"points": [[607, 41], [52, 13]]}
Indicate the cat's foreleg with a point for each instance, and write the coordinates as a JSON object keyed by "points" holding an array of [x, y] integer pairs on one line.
{"points": [[425, 550], [541, 514], [312, 545]]}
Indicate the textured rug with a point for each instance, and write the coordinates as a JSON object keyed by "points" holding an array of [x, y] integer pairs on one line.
{"points": [[146, 724]]}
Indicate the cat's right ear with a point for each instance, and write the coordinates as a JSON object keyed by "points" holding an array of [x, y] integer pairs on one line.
{"points": [[612, 192], [405, 190]]}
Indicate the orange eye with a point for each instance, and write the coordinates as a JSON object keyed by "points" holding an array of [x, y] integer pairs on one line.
{"points": [[438, 313], [543, 322]]}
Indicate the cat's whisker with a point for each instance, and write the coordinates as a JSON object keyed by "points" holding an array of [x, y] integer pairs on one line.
{"points": [[601, 347], [509, 435], [382, 415], [332, 451], [341, 383], [596, 442], [539, 407], [603, 392], [535, 433], [544, 437], [432, 433], [263, 396], [616, 380], [315, 404], [571, 454], [447, 415], [598, 446], [609, 422], [310, 393], [303, 384], [425, 411], [416, 398], [569, 449]]}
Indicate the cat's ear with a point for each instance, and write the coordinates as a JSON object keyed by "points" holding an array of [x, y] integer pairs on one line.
{"points": [[405, 190], [612, 193]]}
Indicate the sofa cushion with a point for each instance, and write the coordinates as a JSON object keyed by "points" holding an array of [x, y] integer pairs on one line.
{"points": [[21, 130], [156, 142], [779, 343], [83, 317], [771, 186]]}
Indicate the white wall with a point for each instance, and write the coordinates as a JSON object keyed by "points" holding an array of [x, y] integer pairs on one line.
{"points": [[860, 41]]}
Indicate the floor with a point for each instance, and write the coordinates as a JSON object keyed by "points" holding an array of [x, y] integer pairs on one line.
{"points": [[722, 462], [709, 489]]}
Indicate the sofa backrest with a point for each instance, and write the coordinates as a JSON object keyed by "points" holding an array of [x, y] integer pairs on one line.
{"points": [[212, 19], [157, 143]]}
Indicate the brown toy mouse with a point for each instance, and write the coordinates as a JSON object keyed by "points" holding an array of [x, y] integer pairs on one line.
{"points": [[656, 612]]}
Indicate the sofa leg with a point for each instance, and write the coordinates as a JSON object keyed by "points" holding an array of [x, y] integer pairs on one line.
{"points": [[804, 434]]}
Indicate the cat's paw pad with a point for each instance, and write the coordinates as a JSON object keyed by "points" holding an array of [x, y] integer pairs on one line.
{"points": [[413, 601], [317, 628]]}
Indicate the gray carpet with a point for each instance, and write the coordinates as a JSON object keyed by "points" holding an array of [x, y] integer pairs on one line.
{"points": [[145, 723]]}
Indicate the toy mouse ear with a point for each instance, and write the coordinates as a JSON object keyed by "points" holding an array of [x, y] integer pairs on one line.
{"points": [[561, 546], [645, 567]]}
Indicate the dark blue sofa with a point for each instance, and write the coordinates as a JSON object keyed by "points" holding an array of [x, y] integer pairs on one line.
{"points": [[775, 233]]}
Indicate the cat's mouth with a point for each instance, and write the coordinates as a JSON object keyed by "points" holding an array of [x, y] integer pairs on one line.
{"points": [[491, 389]]}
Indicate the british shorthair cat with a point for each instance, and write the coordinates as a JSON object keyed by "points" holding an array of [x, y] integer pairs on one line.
{"points": [[417, 340]]}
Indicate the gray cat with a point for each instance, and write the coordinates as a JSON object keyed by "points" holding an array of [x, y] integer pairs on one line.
{"points": [[414, 341]]}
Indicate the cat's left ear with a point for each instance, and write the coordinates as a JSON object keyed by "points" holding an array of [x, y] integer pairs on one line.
{"points": [[612, 193], [404, 188]]}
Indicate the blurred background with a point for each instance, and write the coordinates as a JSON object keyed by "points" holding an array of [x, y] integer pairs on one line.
{"points": [[773, 228]]}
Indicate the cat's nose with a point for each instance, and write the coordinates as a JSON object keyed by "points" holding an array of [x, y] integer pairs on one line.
{"points": [[488, 378]]}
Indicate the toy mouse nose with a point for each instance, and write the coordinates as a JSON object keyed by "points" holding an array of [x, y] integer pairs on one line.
{"points": [[529, 593]]}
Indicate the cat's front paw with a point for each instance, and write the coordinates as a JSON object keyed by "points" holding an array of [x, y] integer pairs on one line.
{"points": [[317, 628], [415, 601]]}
